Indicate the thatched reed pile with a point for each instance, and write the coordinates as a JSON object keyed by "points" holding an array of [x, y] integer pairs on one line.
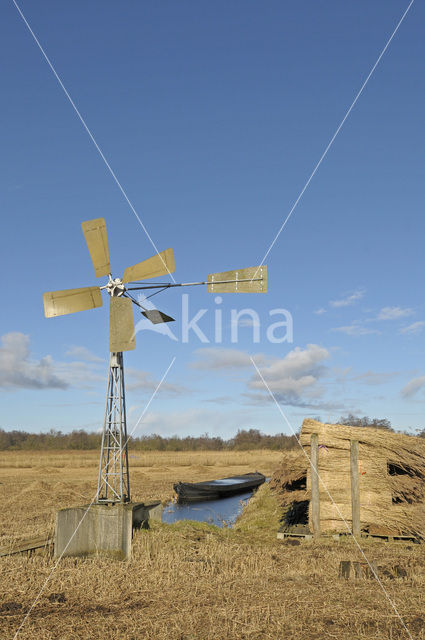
{"points": [[289, 480], [391, 479]]}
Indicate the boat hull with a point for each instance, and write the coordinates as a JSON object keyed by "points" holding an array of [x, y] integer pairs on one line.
{"points": [[215, 489]]}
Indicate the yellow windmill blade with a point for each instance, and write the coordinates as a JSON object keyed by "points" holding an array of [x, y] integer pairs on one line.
{"points": [[60, 303], [121, 325], [97, 243], [248, 280], [159, 265]]}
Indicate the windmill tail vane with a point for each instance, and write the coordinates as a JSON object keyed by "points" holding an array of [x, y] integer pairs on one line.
{"points": [[114, 485]]}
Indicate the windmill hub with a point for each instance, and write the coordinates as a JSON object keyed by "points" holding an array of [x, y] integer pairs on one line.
{"points": [[115, 287]]}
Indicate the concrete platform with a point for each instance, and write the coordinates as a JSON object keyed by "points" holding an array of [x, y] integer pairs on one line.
{"points": [[143, 512], [102, 529]]}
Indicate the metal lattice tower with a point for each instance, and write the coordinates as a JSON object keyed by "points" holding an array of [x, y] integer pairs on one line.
{"points": [[114, 480]]}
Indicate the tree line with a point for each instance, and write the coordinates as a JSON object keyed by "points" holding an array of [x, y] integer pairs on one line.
{"points": [[244, 440], [82, 440], [377, 423]]}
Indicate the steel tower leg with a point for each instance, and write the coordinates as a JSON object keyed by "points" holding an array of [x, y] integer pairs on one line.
{"points": [[114, 480]]}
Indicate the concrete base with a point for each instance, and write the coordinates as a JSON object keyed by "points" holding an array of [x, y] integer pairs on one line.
{"points": [[102, 529], [143, 512]]}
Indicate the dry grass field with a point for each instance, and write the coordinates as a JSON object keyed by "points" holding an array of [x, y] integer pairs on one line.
{"points": [[192, 581]]}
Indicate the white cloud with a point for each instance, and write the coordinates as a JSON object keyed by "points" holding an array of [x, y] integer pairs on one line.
{"points": [[297, 362], [196, 421], [222, 400], [375, 378], [393, 313], [222, 358], [258, 399], [82, 353], [19, 371], [355, 329], [413, 387], [295, 376], [348, 300], [80, 374], [413, 329], [320, 311], [142, 381]]}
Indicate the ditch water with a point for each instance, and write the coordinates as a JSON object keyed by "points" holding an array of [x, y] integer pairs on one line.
{"points": [[221, 512]]}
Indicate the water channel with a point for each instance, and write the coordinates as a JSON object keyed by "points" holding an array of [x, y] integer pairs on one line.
{"points": [[222, 513]]}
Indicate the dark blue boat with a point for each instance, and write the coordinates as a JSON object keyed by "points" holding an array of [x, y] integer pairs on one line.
{"points": [[214, 489]]}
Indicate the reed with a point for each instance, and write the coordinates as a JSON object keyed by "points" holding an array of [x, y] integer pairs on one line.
{"points": [[391, 479], [194, 581]]}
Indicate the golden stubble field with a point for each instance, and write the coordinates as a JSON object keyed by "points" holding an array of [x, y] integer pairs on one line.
{"points": [[191, 581]]}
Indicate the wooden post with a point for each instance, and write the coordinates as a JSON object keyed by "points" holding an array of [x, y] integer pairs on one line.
{"points": [[345, 568], [315, 500], [355, 492]]}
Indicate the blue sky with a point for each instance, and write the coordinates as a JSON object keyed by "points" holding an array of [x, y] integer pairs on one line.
{"points": [[213, 116]]}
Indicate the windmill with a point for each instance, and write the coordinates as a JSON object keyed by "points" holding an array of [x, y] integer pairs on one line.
{"points": [[113, 479]]}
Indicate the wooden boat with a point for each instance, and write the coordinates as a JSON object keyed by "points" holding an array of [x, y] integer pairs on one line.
{"points": [[214, 489]]}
